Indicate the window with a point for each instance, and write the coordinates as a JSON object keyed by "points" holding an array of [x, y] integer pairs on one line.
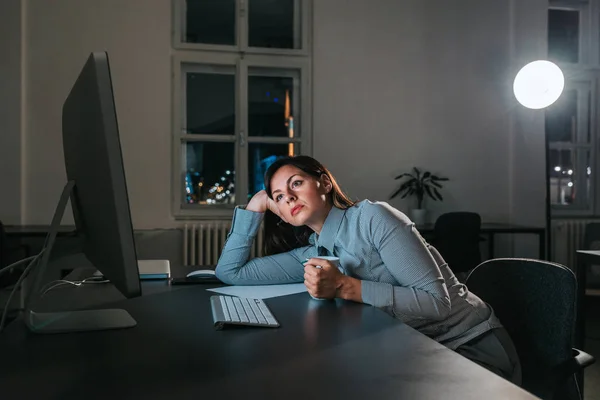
{"points": [[570, 142], [571, 128], [241, 74], [570, 28], [563, 35]]}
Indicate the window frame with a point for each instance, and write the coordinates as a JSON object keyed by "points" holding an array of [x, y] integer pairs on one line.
{"points": [[586, 72], [588, 28], [241, 137], [242, 57], [302, 23], [582, 81]]}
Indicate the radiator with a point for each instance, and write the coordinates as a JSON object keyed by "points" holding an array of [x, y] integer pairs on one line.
{"points": [[567, 237], [203, 242]]}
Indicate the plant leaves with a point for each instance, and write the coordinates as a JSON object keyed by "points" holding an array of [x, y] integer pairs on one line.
{"points": [[420, 184], [418, 173], [402, 175], [394, 194], [428, 190]]}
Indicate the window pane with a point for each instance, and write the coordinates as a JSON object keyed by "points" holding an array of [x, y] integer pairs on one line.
{"points": [[563, 35], [562, 177], [210, 22], [209, 173], [210, 101], [561, 118], [273, 97], [260, 157], [274, 24]]}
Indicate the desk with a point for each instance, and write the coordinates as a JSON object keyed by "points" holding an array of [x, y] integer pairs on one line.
{"points": [[323, 349], [19, 231], [491, 229]]}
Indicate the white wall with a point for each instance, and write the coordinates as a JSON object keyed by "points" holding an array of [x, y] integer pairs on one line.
{"points": [[137, 36], [396, 84], [528, 190], [411, 83], [10, 111]]}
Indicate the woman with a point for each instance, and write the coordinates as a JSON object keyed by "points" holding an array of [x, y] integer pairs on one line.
{"points": [[387, 263]]}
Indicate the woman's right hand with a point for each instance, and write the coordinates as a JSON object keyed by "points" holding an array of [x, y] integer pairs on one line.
{"points": [[261, 202]]}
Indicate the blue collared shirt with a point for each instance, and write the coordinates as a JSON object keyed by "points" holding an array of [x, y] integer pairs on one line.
{"points": [[379, 245]]}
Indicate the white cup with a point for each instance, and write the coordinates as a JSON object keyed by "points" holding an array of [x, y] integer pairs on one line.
{"points": [[335, 261]]}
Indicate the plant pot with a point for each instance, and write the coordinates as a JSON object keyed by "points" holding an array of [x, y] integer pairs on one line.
{"points": [[418, 216]]}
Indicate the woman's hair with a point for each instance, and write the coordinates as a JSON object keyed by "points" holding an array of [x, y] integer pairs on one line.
{"points": [[281, 236]]}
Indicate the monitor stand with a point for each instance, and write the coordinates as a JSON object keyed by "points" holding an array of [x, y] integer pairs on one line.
{"points": [[66, 321]]}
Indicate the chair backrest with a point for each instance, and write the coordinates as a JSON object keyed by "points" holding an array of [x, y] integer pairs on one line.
{"points": [[535, 301], [456, 237], [591, 240]]}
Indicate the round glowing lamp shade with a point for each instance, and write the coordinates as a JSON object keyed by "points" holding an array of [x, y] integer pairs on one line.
{"points": [[539, 84]]}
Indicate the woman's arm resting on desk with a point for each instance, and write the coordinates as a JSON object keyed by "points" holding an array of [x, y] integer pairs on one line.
{"points": [[234, 268]]}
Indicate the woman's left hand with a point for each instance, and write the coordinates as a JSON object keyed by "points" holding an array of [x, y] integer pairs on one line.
{"points": [[322, 278]]}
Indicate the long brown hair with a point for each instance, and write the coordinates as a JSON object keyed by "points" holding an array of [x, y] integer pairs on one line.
{"points": [[281, 236]]}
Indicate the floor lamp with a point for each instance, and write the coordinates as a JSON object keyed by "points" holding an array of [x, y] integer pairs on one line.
{"points": [[538, 85]]}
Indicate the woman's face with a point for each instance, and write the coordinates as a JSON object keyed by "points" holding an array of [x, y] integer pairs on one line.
{"points": [[301, 198]]}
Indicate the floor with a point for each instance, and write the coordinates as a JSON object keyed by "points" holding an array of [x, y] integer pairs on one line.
{"points": [[592, 346]]}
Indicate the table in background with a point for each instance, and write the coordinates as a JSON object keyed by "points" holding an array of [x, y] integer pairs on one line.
{"points": [[36, 230], [32, 237], [323, 349], [490, 229]]}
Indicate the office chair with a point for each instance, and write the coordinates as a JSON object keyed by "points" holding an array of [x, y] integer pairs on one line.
{"points": [[456, 237], [591, 241], [535, 301]]}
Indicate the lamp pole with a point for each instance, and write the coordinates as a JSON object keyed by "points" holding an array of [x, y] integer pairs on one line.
{"points": [[548, 202], [537, 85]]}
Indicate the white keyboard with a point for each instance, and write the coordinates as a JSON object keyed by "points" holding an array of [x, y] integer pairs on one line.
{"points": [[241, 311]]}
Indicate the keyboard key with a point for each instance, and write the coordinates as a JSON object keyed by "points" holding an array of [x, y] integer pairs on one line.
{"points": [[225, 308], [240, 310], [233, 315], [250, 311]]}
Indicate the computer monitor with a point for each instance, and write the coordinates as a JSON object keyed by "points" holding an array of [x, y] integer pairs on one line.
{"points": [[98, 193]]}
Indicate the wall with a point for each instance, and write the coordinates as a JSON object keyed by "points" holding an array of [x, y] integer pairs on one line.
{"points": [[136, 34], [396, 85], [414, 83], [527, 162], [10, 111]]}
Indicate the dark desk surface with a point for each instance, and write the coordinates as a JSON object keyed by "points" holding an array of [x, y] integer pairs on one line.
{"points": [[323, 349]]}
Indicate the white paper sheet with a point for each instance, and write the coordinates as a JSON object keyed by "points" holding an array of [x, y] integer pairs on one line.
{"points": [[261, 292]]}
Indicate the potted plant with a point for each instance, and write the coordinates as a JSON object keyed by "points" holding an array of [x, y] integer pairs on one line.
{"points": [[419, 184]]}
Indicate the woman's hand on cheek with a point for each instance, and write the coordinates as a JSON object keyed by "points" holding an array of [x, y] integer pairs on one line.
{"points": [[261, 202], [321, 278]]}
